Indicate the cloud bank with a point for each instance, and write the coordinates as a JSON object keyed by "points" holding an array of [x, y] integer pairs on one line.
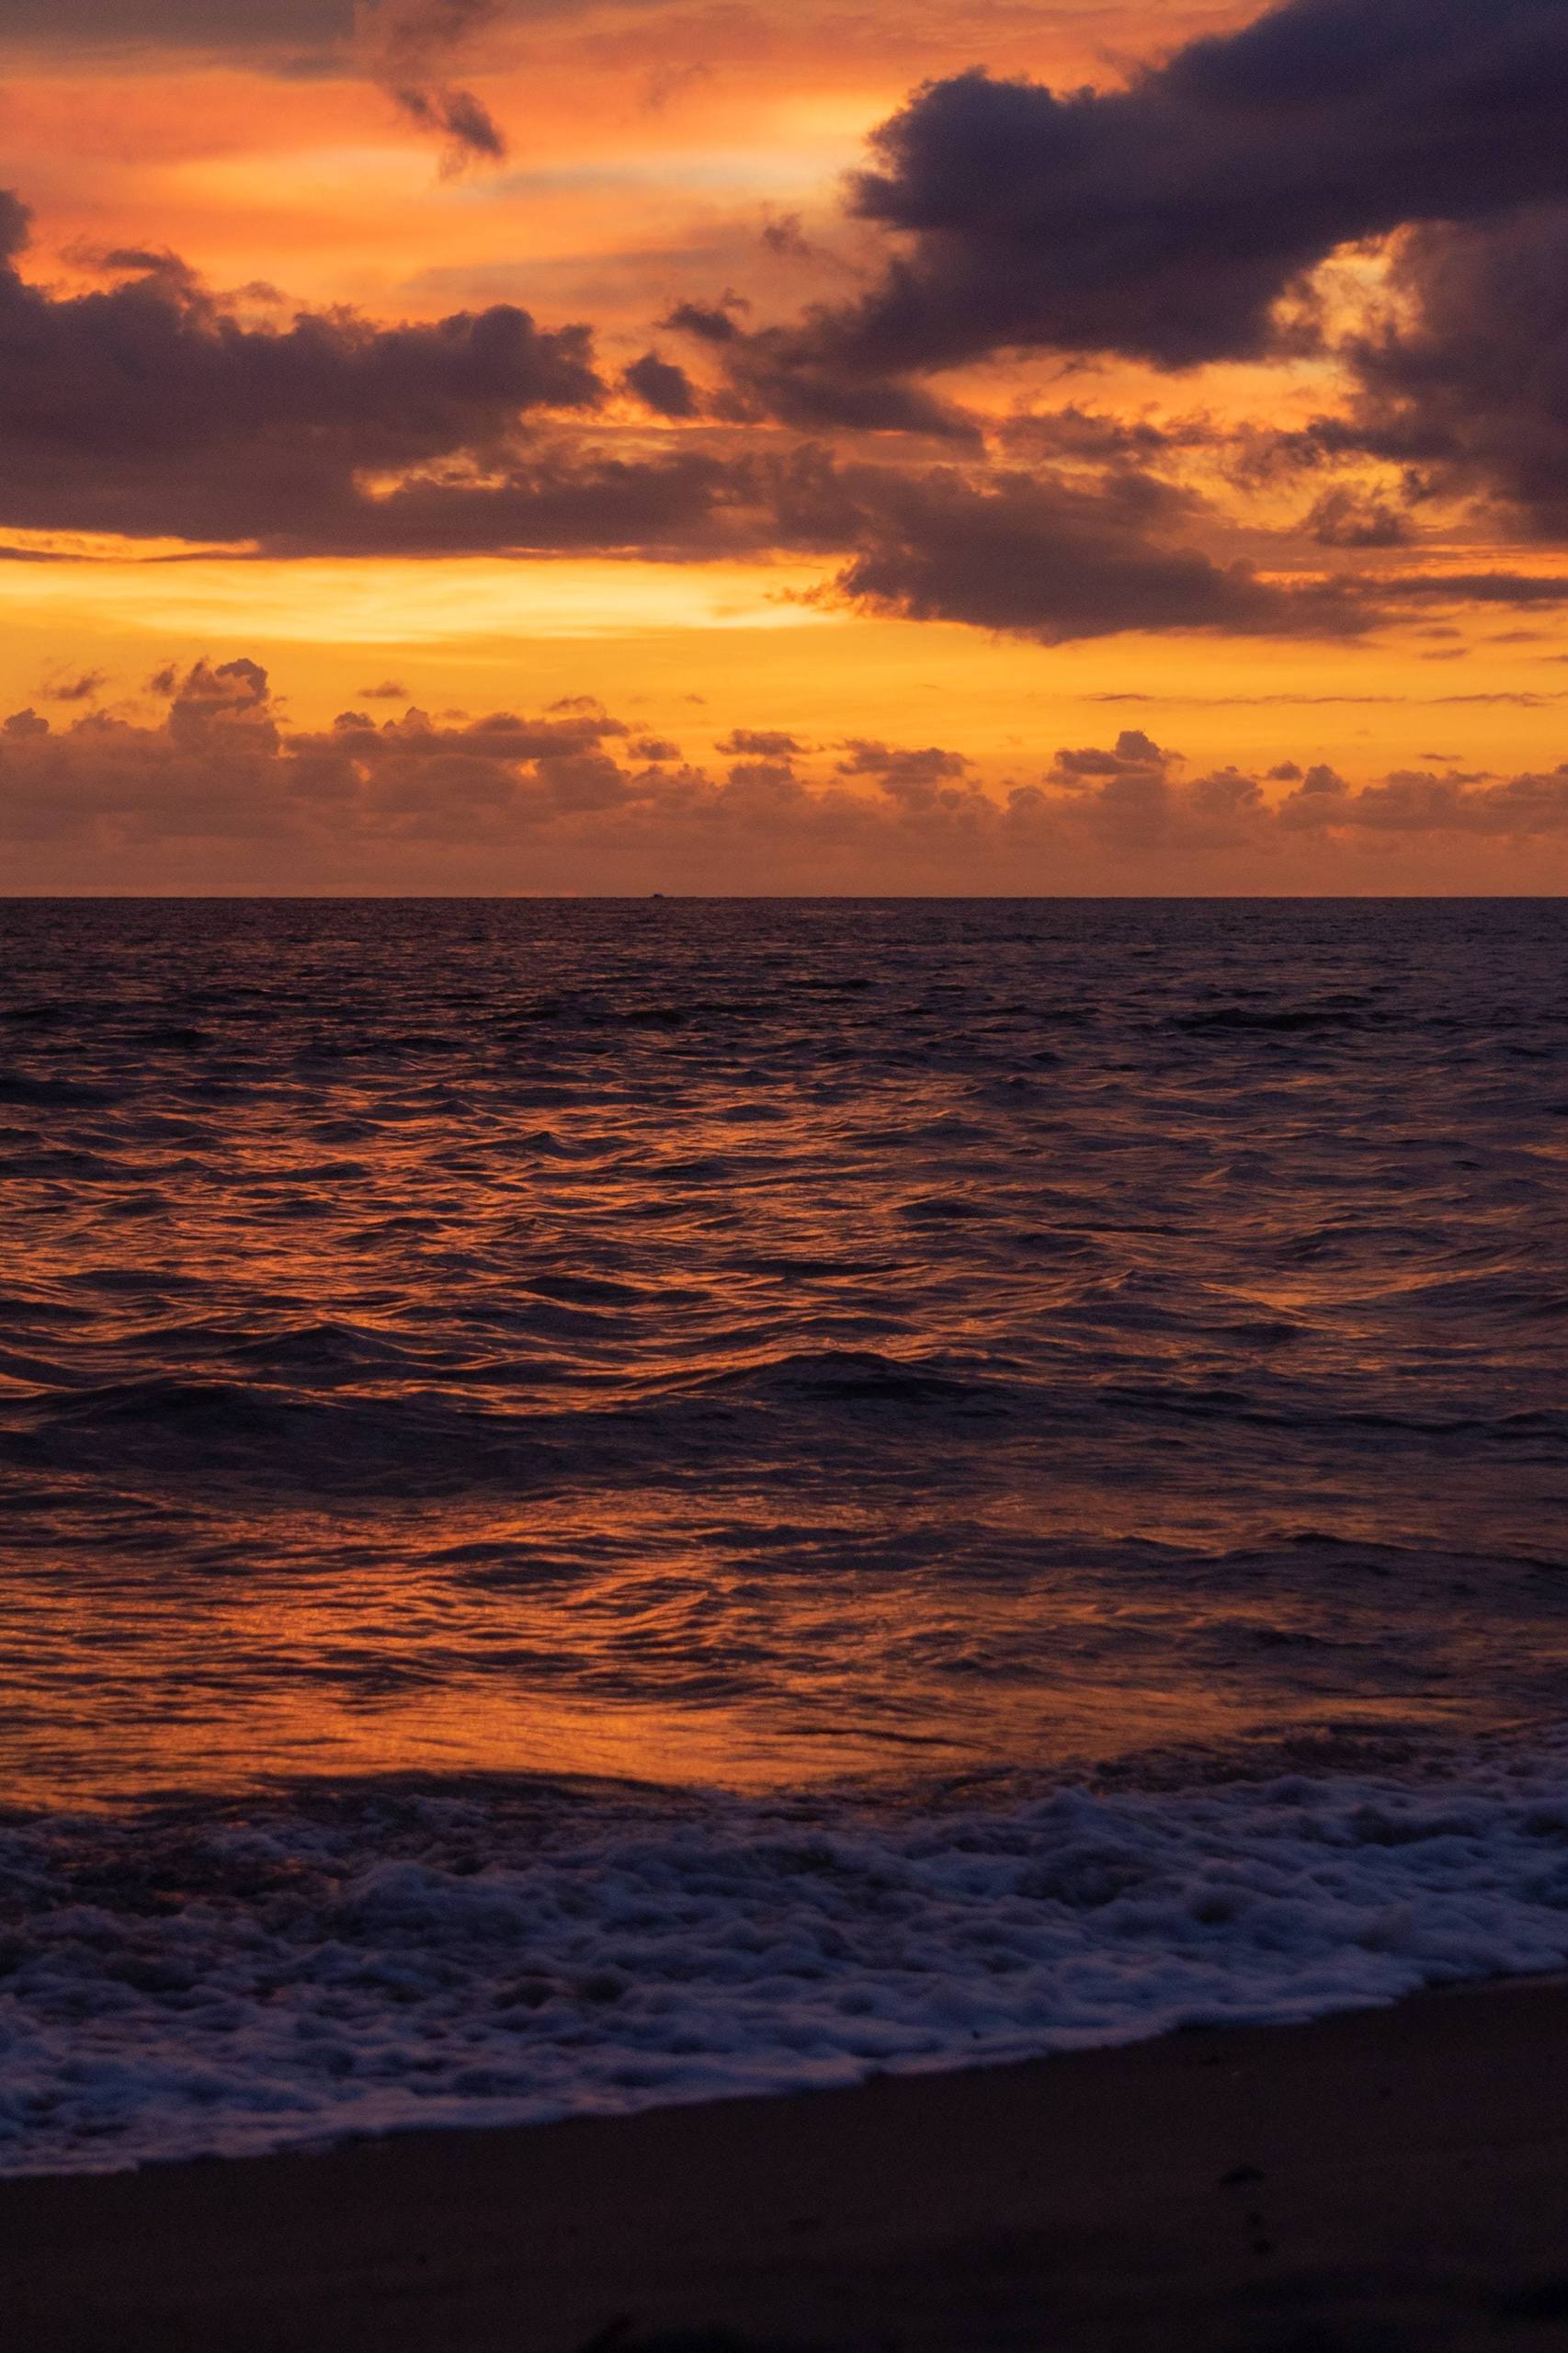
{"points": [[218, 793]]}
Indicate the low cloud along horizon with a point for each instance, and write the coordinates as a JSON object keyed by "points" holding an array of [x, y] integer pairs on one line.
{"points": [[220, 793]]}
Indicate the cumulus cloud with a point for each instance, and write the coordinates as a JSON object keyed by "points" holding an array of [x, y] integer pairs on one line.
{"points": [[221, 787], [1056, 560], [1413, 802], [1466, 382], [1167, 218], [1347, 518], [717, 323], [151, 407], [773, 375], [760, 743], [1132, 754], [917, 776], [1164, 219], [154, 407], [662, 386], [565, 500], [1475, 588], [220, 763]]}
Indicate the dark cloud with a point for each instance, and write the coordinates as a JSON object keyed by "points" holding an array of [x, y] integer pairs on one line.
{"points": [[409, 45], [772, 377], [389, 691], [220, 763], [465, 125], [683, 505], [666, 389], [155, 408], [294, 37], [1475, 588], [1133, 754], [1468, 380], [215, 25], [710, 322], [15, 226], [150, 408], [1056, 561], [759, 744], [1167, 218], [1345, 517], [1034, 555], [1090, 437]]}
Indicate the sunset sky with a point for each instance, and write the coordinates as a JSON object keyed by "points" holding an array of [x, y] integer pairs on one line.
{"points": [[718, 445]]}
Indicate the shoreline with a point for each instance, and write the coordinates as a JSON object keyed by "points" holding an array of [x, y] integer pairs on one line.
{"points": [[1393, 2180]]}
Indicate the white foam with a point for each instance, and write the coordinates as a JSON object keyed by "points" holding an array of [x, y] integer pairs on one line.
{"points": [[371, 1965]]}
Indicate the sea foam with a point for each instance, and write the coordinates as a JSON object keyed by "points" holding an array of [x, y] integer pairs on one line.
{"points": [[285, 1972]]}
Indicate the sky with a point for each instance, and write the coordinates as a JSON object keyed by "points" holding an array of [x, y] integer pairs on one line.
{"points": [[1118, 446]]}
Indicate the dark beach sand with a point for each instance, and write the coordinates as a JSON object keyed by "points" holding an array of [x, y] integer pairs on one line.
{"points": [[1393, 2182]]}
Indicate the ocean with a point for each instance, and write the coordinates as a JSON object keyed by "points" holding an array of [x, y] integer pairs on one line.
{"points": [[610, 1502]]}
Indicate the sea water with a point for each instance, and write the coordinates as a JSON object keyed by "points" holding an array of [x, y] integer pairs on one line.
{"points": [[611, 1501]]}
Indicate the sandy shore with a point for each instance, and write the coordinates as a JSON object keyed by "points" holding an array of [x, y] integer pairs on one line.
{"points": [[1390, 2182]]}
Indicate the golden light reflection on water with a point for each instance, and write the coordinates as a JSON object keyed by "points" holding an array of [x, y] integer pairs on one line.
{"points": [[759, 1346], [496, 1727], [617, 1647]]}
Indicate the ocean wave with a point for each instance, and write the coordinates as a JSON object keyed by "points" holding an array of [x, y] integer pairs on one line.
{"points": [[371, 1958], [755, 1345]]}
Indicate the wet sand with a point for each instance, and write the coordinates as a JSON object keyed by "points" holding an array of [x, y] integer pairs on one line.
{"points": [[1394, 2181]]}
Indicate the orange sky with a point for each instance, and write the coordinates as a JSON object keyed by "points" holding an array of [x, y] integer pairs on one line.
{"points": [[675, 153]]}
